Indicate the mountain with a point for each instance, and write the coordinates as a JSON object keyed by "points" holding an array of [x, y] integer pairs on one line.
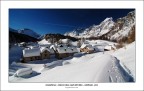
{"points": [[13, 30], [15, 37], [93, 31], [57, 37], [75, 32], [29, 32], [122, 30]]}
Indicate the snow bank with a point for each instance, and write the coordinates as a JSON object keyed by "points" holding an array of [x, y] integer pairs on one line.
{"points": [[66, 63], [127, 57], [23, 71], [50, 64], [15, 54], [87, 68]]}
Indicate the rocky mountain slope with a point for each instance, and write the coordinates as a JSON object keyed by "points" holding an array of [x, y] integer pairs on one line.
{"points": [[93, 31], [29, 32], [25, 31], [15, 37], [123, 29]]}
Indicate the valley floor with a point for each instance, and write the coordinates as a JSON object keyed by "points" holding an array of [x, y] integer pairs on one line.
{"points": [[100, 67]]}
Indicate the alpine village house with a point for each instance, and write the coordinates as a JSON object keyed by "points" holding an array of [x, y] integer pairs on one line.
{"points": [[61, 50], [87, 48], [35, 54]]}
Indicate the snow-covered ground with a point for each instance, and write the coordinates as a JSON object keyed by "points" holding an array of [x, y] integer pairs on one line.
{"points": [[127, 58], [111, 66], [15, 53]]}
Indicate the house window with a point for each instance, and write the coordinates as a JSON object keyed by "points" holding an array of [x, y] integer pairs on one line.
{"points": [[31, 58], [65, 49], [45, 55], [46, 52], [61, 46], [68, 45], [37, 58]]}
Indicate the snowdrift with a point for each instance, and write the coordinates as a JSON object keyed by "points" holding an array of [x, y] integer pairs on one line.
{"points": [[87, 68], [23, 72], [127, 57]]}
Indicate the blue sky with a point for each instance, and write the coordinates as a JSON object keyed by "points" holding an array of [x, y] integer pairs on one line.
{"points": [[45, 21]]}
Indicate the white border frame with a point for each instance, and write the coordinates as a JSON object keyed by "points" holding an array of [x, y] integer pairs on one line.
{"points": [[5, 5]]}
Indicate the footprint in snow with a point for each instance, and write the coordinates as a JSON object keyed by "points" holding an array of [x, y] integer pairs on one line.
{"points": [[109, 71]]}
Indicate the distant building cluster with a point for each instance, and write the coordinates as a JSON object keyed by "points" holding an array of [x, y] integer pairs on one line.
{"points": [[43, 49], [64, 48]]}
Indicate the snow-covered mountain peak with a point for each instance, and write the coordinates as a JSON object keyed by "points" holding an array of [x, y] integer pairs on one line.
{"points": [[12, 30], [110, 30], [29, 32], [108, 19], [125, 27], [94, 30], [75, 32]]}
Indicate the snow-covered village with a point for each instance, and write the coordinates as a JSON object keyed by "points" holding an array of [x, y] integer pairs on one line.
{"points": [[101, 53]]}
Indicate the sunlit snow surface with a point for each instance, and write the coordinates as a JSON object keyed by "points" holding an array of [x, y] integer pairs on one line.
{"points": [[111, 66]]}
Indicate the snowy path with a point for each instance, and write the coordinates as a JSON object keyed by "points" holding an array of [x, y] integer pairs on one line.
{"points": [[127, 58], [96, 67]]}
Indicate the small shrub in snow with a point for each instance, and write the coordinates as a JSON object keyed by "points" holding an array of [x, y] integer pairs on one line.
{"points": [[45, 65], [13, 63], [23, 72], [66, 63], [50, 64], [120, 45]]}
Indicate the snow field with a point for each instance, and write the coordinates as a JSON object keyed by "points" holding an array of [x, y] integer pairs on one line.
{"points": [[88, 68], [105, 67]]}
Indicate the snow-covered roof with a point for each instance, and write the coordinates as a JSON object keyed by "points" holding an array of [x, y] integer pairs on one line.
{"points": [[42, 49], [88, 46], [53, 46], [22, 43], [83, 46], [108, 47], [66, 49], [72, 49], [44, 41], [28, 52], [74, 43], [45, 45], [31, 47], [64, 40], [31, 52], [61, 50]]}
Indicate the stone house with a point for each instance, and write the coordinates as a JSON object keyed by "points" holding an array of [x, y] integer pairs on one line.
{"points": [[36, 54], [87, 48], [63, 51]]}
